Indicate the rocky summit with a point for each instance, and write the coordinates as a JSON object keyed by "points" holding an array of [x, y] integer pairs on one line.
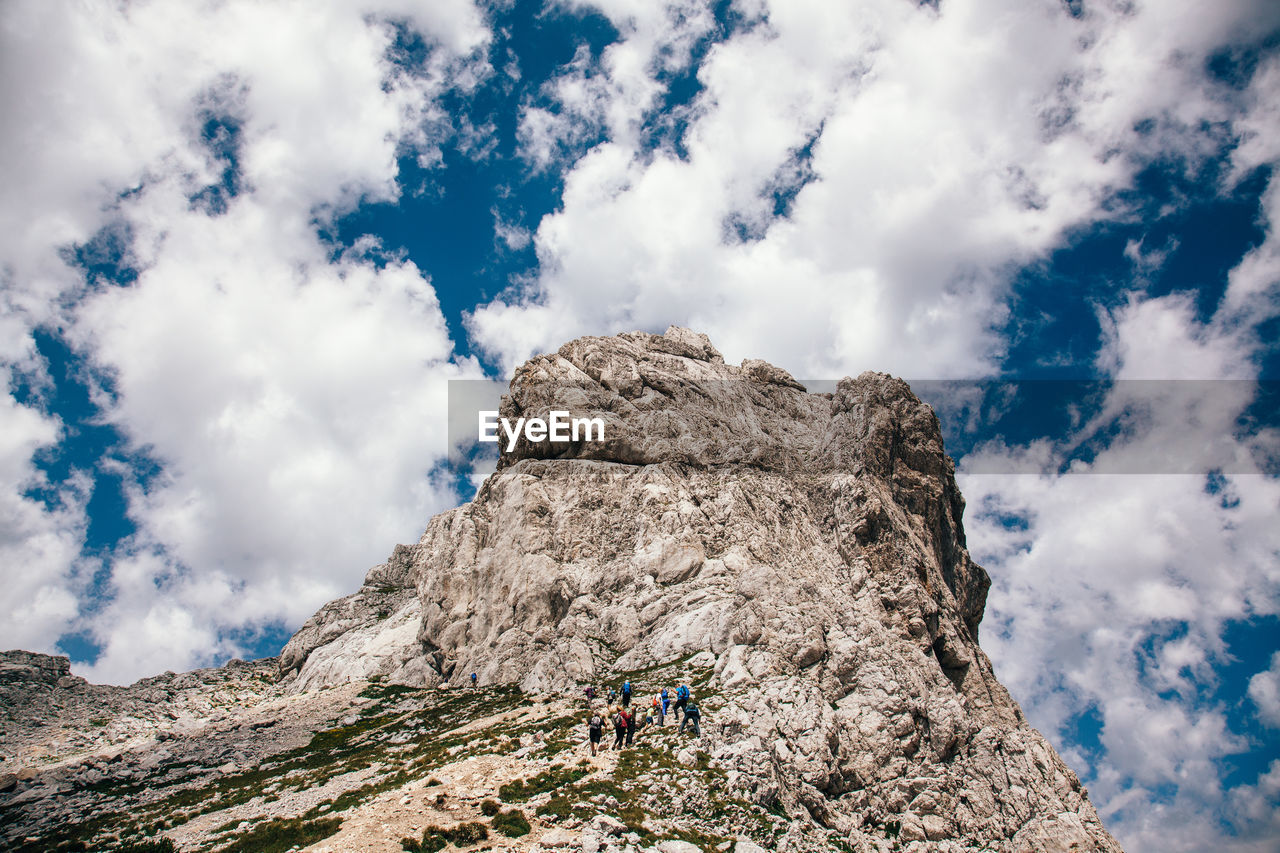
{"points": [[797, 559]]}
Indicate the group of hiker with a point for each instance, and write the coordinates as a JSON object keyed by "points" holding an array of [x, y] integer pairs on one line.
{"points": [[626, 715]]}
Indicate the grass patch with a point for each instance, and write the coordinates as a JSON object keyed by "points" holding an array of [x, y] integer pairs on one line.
{"points": [[557, 777], [434, 838], [278, 836], [149, 845], [489, 808], [574, 801], [512, 823], [383, 692]]}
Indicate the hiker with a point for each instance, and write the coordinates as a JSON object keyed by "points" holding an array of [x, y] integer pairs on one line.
{"points": [[693, 715], [591, 695], [666, 702], [620, 720], [626, 693], [631, 727], [595, 728], [682, 699], [473, 679], [613, 697], [659, 712]]}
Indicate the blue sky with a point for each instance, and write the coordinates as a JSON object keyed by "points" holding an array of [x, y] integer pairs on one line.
{"points": [[246, 245]]}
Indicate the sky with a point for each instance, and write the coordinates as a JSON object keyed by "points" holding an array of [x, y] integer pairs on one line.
{"points": [[245, 245]]}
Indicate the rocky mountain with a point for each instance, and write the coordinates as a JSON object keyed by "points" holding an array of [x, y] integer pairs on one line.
{"points": [[798, 558]]}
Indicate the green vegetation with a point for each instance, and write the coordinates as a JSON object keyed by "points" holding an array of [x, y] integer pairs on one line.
{"points": [[99, 722], [434, 838], [360, 744], [521, 789], [278, 836], [148, 845], [383, 692], [403, 734], [511, 823]]}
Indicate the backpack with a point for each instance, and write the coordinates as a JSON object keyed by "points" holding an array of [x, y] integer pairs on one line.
{"points": [[683, 692], [626, 689], [597, 723], [620, 721], [664, 693]]}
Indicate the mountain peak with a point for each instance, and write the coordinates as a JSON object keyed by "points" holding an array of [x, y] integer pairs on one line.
{"points": [[808, 546]]}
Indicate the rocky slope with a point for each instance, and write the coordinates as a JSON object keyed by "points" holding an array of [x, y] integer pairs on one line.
{"points": [[798, 558], [51, 717]]}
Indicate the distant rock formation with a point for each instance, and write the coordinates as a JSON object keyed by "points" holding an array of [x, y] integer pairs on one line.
{"points": [[811, 545], [47, 713]]}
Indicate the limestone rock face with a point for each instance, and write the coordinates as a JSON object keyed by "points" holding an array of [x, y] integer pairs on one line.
{"points": [[370, 633], [809, 545]]}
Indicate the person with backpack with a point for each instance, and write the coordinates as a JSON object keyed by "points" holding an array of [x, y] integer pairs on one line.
{"points": [[692, 715], [631, 726], [595, 729], [590, 691], [626, 694], [666, 702], [620, 721], [613, 697], [473, 679], [659, 713], [682, 699]]}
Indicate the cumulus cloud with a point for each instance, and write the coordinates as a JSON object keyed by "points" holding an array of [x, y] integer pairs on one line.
{"points": [[290, 396], [294, 404], [1112, 593], [1264, 691], [874, 171], [613, 93], [39, 543]]}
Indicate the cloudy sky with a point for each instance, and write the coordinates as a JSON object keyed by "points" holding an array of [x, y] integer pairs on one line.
{"points": [[244, 245]]}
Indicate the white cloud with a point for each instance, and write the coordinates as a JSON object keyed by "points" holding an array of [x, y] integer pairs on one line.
{"points": [[39, 544], [294, 404], [954, 146], [1254, 286], [614, 92], [291, 397], [1264, 691], [1115, 599], [1116, 593]]}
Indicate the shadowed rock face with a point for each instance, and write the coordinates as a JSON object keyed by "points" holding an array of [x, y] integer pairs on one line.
{"points": [[811, 544]]}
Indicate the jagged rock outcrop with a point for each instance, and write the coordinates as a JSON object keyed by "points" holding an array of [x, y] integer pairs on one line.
{"points": [[48, 715], [372, 632], [810, 544]]}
